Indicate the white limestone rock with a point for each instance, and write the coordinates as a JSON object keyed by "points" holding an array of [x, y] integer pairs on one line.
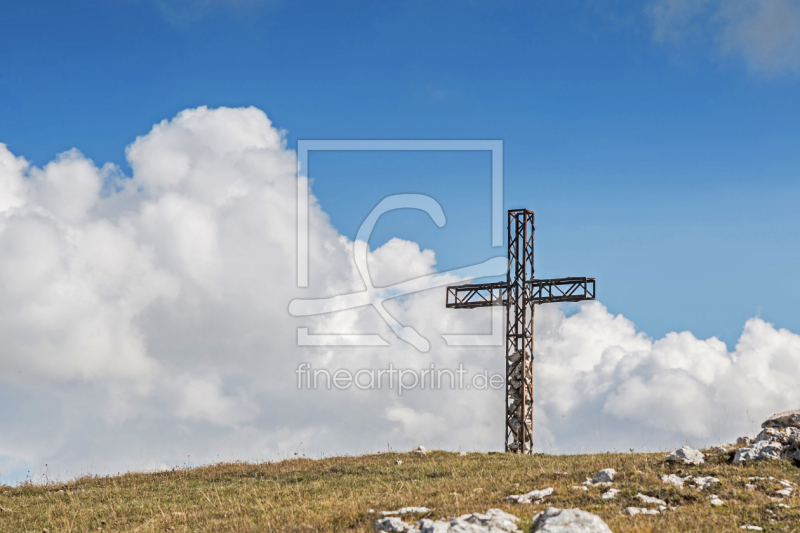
{"points": [[758, 451], [787, 488], [633, 511], [603, 478], [744, 441], [421, 450], [405, 511], [649, 499], [426, 525], [530, 497], [753, 528], [703, 483], [672, 479], [498, 519], [493, 521], [715, 500], [555, 520], [610, 494], [392, 524], [605, 475], [686, 455]]}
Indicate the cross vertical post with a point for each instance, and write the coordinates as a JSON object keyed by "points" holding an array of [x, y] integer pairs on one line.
{"points": [[519, 293], [519, 332]]}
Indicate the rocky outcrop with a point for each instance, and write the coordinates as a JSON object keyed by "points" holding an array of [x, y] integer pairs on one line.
{"points": [[568, 521], [780, 439], [763, 449], [786, 419]]}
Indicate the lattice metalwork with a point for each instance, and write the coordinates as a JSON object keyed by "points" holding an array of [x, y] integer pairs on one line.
{"points": [[519, 293], [544, 291], [541, 291]]}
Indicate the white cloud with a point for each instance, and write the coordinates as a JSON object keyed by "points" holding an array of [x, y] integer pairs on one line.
{"points": [[13, 185], [151, 323], [674, 20], [765, 33], [204, 400], [679, 385]]}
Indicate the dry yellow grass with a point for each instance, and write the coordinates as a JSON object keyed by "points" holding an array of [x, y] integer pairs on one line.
{"points": [[336, 494]]}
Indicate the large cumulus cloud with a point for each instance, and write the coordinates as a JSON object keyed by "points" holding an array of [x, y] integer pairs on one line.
{"points": [[144, 323], [622, 389]]}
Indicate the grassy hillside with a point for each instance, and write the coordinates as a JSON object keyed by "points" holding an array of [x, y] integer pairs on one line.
{"points": [[336, 494]]}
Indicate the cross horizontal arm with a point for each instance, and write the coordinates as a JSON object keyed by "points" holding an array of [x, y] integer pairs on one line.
{"points": [[540, 291], [478, 295]]}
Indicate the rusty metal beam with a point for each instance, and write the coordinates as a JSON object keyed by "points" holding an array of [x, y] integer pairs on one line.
{"points": [[541, 291], [478, 295], [544, 291]]}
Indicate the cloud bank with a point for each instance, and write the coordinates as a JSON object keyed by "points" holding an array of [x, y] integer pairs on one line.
{"points": [[764, 33], [145, 325]]}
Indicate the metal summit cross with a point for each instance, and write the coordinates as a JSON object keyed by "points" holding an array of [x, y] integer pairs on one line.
{"points": [[519, 293]]}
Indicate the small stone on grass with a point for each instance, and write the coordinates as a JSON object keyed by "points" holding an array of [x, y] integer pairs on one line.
{"points": [[649, 499]]}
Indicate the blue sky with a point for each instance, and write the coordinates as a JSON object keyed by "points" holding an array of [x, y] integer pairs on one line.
{"points": [[659, 152]]}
